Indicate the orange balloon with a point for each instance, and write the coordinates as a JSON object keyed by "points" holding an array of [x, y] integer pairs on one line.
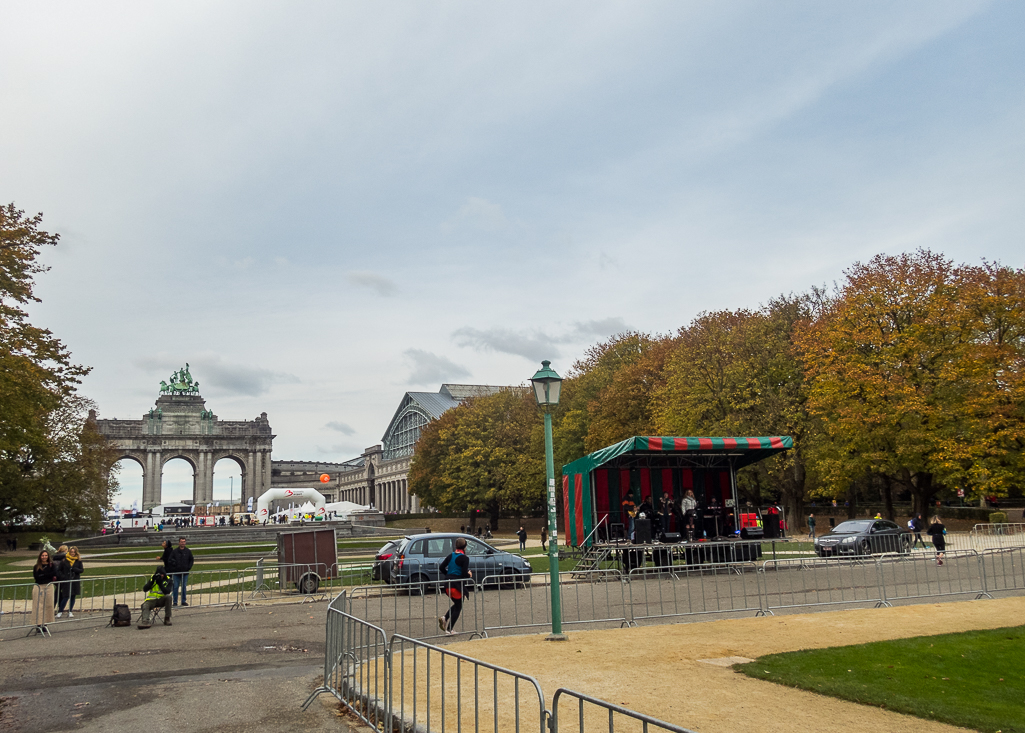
{"points": [[324, 478]]}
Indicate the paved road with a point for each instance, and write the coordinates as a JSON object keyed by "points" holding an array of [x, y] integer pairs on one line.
{"points": [[212, 671]]}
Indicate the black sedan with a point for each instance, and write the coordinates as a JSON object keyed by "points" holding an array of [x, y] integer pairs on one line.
{"points": [[863, 537]]}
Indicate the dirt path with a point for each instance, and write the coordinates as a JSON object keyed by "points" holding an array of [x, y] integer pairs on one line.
{"points": [[656, 669]]}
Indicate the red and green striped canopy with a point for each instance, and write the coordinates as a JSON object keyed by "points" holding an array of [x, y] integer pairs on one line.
{"points": [[657, 455]]}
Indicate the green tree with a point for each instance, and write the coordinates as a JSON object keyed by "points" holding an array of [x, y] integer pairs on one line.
{"points": [[484, 454], [38, 382]]}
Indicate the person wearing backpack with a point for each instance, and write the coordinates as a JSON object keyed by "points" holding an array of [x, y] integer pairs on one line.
{"points": [[158, 589], [456, 570]]}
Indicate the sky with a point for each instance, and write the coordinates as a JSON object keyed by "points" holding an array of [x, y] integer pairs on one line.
{"points": [[320, 206]]}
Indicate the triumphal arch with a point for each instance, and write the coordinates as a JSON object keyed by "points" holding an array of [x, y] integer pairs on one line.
{"points": [[180, 426]]}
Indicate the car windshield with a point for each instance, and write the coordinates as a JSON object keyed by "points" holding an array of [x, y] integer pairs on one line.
{"points": [[852, 527]]}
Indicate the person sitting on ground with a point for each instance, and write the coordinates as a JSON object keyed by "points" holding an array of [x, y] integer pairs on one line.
{"points": [[158, 593]]}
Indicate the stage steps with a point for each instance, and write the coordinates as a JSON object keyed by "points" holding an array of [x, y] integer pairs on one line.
{"points": [[592, 559]]}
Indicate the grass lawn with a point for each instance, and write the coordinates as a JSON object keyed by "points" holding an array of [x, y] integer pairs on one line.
{"points": [[973, 679]]}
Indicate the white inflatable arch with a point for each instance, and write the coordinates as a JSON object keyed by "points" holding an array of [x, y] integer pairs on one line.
{"points": [[294, 496]]}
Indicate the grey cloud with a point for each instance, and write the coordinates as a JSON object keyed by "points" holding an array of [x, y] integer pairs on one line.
{"points": [[378, 283], [536, 345], [341, 428], [214, 371], [429, 368]]}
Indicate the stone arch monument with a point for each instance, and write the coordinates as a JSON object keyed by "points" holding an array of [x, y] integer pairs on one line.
{"points": [[180, 426]]}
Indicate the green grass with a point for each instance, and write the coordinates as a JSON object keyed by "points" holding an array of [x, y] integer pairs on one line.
{"points": [[972, 679]]}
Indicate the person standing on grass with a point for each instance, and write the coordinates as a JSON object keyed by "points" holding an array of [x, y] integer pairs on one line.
{"points": [[544, 538], [45, 574], [811, 526], [456, 569], [522, 534], [181, 562], [939, 542]]}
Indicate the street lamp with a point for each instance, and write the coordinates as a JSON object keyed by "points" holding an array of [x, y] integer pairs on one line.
{"points": [[547, 385]]}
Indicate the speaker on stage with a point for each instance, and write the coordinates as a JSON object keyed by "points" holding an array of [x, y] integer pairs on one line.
{"points": [[771, 526], [671, 537], [642, 531]]}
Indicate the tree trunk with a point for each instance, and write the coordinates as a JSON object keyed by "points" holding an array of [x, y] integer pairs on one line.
{"points": [[922, 491], [887, 497], [852, 500], [793, 499]]}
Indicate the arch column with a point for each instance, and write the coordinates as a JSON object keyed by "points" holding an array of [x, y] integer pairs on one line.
{"points": [[152, 479]]}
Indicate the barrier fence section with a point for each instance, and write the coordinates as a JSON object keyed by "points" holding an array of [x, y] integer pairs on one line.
{"points": [[204, 589], [415, 609], [990, 536], [687, 590], [588, 597], [594, 714], [434, 689], [903, 577], [1003, 569], [819, 582]]}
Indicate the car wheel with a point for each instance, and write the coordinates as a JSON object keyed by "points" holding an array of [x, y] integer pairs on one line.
{"points": [[308, 583], [866, 548], [419, 585]]}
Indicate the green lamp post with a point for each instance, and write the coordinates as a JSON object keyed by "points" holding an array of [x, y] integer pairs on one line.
{"points": [[547, 385]]}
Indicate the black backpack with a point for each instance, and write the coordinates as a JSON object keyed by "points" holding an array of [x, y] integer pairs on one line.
{"points": [[122, 615]]}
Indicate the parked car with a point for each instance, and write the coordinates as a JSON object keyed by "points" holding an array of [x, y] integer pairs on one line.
{"points": [[419, 557], [863, 537], [384, 560]]}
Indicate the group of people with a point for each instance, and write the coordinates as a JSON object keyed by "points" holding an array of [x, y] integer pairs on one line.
{"points": [[58, 583], [521, 534], [661, 513]]}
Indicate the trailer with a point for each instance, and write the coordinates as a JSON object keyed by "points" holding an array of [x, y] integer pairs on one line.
{"points": [[306, 557]]}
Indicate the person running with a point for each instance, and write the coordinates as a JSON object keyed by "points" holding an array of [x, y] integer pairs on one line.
{"points": [[917, 525], [544, 538], [69, 572], [44, 572], [456, 569], [936, 532]]}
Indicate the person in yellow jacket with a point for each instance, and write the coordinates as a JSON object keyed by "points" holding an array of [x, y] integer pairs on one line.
{"points": [[158, 593]]}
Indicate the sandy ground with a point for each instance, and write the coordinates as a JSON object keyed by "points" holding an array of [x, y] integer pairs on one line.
{"points": [[657, 669]]}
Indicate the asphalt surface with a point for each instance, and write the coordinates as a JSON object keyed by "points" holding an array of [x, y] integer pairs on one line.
{"points": [[212, 670]]}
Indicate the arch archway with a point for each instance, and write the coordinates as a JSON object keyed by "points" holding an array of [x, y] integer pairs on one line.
{"points": [[229, 476], [178, 475], [131, 478]]}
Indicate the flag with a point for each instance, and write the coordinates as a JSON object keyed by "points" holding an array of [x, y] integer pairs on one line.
{"points": [[249, 504]]}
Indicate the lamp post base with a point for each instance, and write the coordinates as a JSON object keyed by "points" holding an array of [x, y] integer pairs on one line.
{"points": [[557, 637]]}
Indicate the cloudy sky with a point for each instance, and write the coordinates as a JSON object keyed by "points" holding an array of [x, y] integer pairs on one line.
{"points": [[320, 206]]}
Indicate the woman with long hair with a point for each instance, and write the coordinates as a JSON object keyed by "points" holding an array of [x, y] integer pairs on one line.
{"points": [[939, 542], [69, 571], [44, 572]]}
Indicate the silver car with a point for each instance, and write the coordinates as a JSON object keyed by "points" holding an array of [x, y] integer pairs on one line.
{"points": [[419, 557]]}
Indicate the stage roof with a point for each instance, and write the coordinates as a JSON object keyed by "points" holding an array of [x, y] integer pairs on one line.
{"points": [[738, 451]]}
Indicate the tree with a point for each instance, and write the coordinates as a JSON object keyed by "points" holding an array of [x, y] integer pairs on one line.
{"points": [[38, 382], [484, 454]]}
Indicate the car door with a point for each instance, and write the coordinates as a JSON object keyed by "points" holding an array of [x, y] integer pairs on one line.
{"points": [[482, 560], [882, 536], [436, 550]]}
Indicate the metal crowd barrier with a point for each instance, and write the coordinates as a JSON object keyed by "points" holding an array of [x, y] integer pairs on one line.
{"points": [[994, 536], [690, 590], [588, 597], [411, 610], [1003, 569], [819, 582], [204, 589], [607, 710], [903, 577], [434, 689]]}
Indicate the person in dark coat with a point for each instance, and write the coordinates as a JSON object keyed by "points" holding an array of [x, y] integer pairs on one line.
{"points": [[69, 573], [522, 534], [165, 556], [937, 533], [180, 562]]}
